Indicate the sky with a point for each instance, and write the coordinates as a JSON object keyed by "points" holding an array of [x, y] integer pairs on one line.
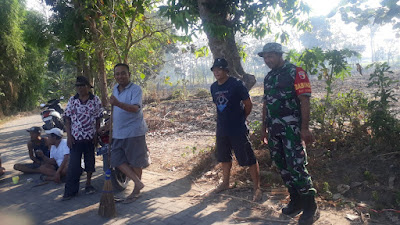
{"points": [[39, 6], [318, 8]]}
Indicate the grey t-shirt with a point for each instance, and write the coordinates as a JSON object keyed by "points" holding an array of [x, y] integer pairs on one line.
{"points": [[128, 124]]}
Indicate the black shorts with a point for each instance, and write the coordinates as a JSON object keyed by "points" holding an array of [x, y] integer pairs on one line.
{"points": [[241, 146]]}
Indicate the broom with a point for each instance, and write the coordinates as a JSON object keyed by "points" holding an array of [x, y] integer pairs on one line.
{"points": [[107, 203]]}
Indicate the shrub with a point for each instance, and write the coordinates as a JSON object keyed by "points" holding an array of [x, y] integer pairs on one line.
{"points": [[202, 93], [382, 121], [178, 94]]}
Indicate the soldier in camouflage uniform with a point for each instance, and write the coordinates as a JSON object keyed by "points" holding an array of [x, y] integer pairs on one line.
{"points": [[286, 112]]}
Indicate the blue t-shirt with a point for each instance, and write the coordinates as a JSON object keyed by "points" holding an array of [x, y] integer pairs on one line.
{"points": [[228, 98]]}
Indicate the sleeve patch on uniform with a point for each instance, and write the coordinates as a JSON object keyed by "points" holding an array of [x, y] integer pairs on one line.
{"points": [[302, 75], [301, 86], [301, 83]]}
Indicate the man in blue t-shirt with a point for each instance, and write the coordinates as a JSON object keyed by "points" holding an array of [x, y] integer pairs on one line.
{"points": [[233, 106]]}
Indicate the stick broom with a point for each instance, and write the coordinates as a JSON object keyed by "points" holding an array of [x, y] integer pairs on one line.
{"points": [[107, 203]]}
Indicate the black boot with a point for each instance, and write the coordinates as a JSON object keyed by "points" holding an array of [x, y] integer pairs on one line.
{"points": [[295, 205], [310, 212]]}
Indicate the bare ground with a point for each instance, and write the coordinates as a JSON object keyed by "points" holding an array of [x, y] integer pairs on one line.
{"points": [[181, 140]]}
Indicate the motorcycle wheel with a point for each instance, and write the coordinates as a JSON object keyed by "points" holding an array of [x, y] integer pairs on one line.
{"points": [[48, 125], [118, 179], [58, 123]]}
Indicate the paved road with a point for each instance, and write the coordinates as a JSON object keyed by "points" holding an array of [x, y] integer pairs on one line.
{"points": [[165, 200]]}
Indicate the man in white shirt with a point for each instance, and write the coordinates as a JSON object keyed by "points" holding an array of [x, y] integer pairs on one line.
{"points": [[55, 167]]}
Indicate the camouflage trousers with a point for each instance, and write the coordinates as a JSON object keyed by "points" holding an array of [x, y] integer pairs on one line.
{"points": [[291, 159]]}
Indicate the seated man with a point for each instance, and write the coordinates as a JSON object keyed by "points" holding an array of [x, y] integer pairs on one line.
{"points": [[34, 144], [55, 167]]}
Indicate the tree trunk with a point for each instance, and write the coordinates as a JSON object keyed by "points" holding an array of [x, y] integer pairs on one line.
{"points": [[102, 77], [223, 47], [81, 61], [101, 70]]}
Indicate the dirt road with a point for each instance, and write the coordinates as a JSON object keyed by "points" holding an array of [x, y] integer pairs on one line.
{"points": [[166, 199]]}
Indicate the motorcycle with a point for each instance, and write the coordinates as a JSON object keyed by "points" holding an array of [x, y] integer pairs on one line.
{"points": [[118, 179], [51, 115]]}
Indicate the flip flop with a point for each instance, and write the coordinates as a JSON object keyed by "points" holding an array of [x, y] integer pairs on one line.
{"points": [[130, 199], [117, 200], [43, 177]]}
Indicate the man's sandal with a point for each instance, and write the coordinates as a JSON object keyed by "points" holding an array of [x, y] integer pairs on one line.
{"points": [[89, 190], [43, 177], [131, 199]]}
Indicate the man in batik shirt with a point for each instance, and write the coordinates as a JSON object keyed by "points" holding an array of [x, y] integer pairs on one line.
{"points": [[82, 117]]}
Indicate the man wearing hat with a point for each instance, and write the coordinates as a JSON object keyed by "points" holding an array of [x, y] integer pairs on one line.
{"points": [[233, 106], [286, 114], [82, 114], [54, 168], [35, 143]]}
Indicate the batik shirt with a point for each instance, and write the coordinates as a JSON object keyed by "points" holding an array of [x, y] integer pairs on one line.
{"points": [[228, 97], [282, 87], [83, 116]]}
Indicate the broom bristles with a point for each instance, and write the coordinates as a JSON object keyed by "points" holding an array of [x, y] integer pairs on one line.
{"points": [[107, 203]]}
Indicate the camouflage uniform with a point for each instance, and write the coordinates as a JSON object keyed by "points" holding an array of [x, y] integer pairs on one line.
{"points": [[283, 120]]}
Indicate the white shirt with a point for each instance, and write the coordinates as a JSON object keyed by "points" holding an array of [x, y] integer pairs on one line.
{"points": [[57, 153]]}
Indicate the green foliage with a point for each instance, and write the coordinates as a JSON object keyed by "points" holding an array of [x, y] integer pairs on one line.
{"points": [[352, 115], [326, 190], [111, 32], [359, 12], [253, 17], [255, 126], [255, 130], [11, 52], [310, 59], [242, 52], [375, 195], [202, 52], [222, 20], [59, 84], [368, 176], [37, 40], [336, 68], [180, 92], [329, 65], [195, 151], [379, 79], [326, 187], [138, 36], [397, 198], [24, 42], [384, 125], [345, 112]]}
